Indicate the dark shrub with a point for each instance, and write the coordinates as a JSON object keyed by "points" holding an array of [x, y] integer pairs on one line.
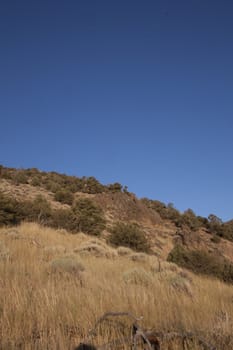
{"points": [[168, 212], [64, 196], [218, 228], [91, 185], [9, 210], [202, 262], [38, 210], [116, 187], [90, 217], [227, 231], [191, 220], [129, 235], [64, 218]]}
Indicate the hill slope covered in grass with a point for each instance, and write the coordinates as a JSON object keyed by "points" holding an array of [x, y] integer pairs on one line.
{"points": [[72, 249], [54, 286], [111, 211]]}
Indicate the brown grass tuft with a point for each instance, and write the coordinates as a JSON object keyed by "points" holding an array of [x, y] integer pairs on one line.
{"points": [[67, 264], [137, 276], [96, 248], [139, 257], [124, 251], [4, 252]]}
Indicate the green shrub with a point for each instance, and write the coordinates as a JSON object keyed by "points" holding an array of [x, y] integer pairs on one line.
{"points": [[38, 210], [64, 218], [9, 211], [91, 185], [64, 196], [227, 231], [90, 218], [166, 212], [202, 262], [158, 206], [224, 230], [84, 216], [169, 212], [51, 186], [116, 187], [129, 235], [12, 212], [191, 220]]}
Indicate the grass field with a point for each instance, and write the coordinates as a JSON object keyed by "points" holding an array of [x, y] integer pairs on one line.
{"points": [[54, 286]]}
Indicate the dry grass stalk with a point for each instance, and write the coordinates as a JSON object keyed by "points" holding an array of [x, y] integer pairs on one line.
{"points": [[46, 311]]}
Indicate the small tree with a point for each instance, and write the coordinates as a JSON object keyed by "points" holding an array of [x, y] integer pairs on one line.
{"points": [[129, 235], [90, 218]]}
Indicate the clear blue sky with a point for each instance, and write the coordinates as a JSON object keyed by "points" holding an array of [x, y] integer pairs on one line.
{"points": [[138, 92]]}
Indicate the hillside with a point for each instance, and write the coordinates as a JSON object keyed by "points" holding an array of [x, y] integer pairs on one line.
{"points": [[48, 198], [72, 249], [54, 286]]}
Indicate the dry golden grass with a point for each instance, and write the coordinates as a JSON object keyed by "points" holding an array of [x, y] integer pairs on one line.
{"points": [[44, 310]]}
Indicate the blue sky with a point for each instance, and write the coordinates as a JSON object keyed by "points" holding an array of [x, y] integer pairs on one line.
{"points": [[138, 92]]}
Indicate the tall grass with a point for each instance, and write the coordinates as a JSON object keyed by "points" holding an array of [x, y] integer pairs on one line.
{"points": [[40, 309]]}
